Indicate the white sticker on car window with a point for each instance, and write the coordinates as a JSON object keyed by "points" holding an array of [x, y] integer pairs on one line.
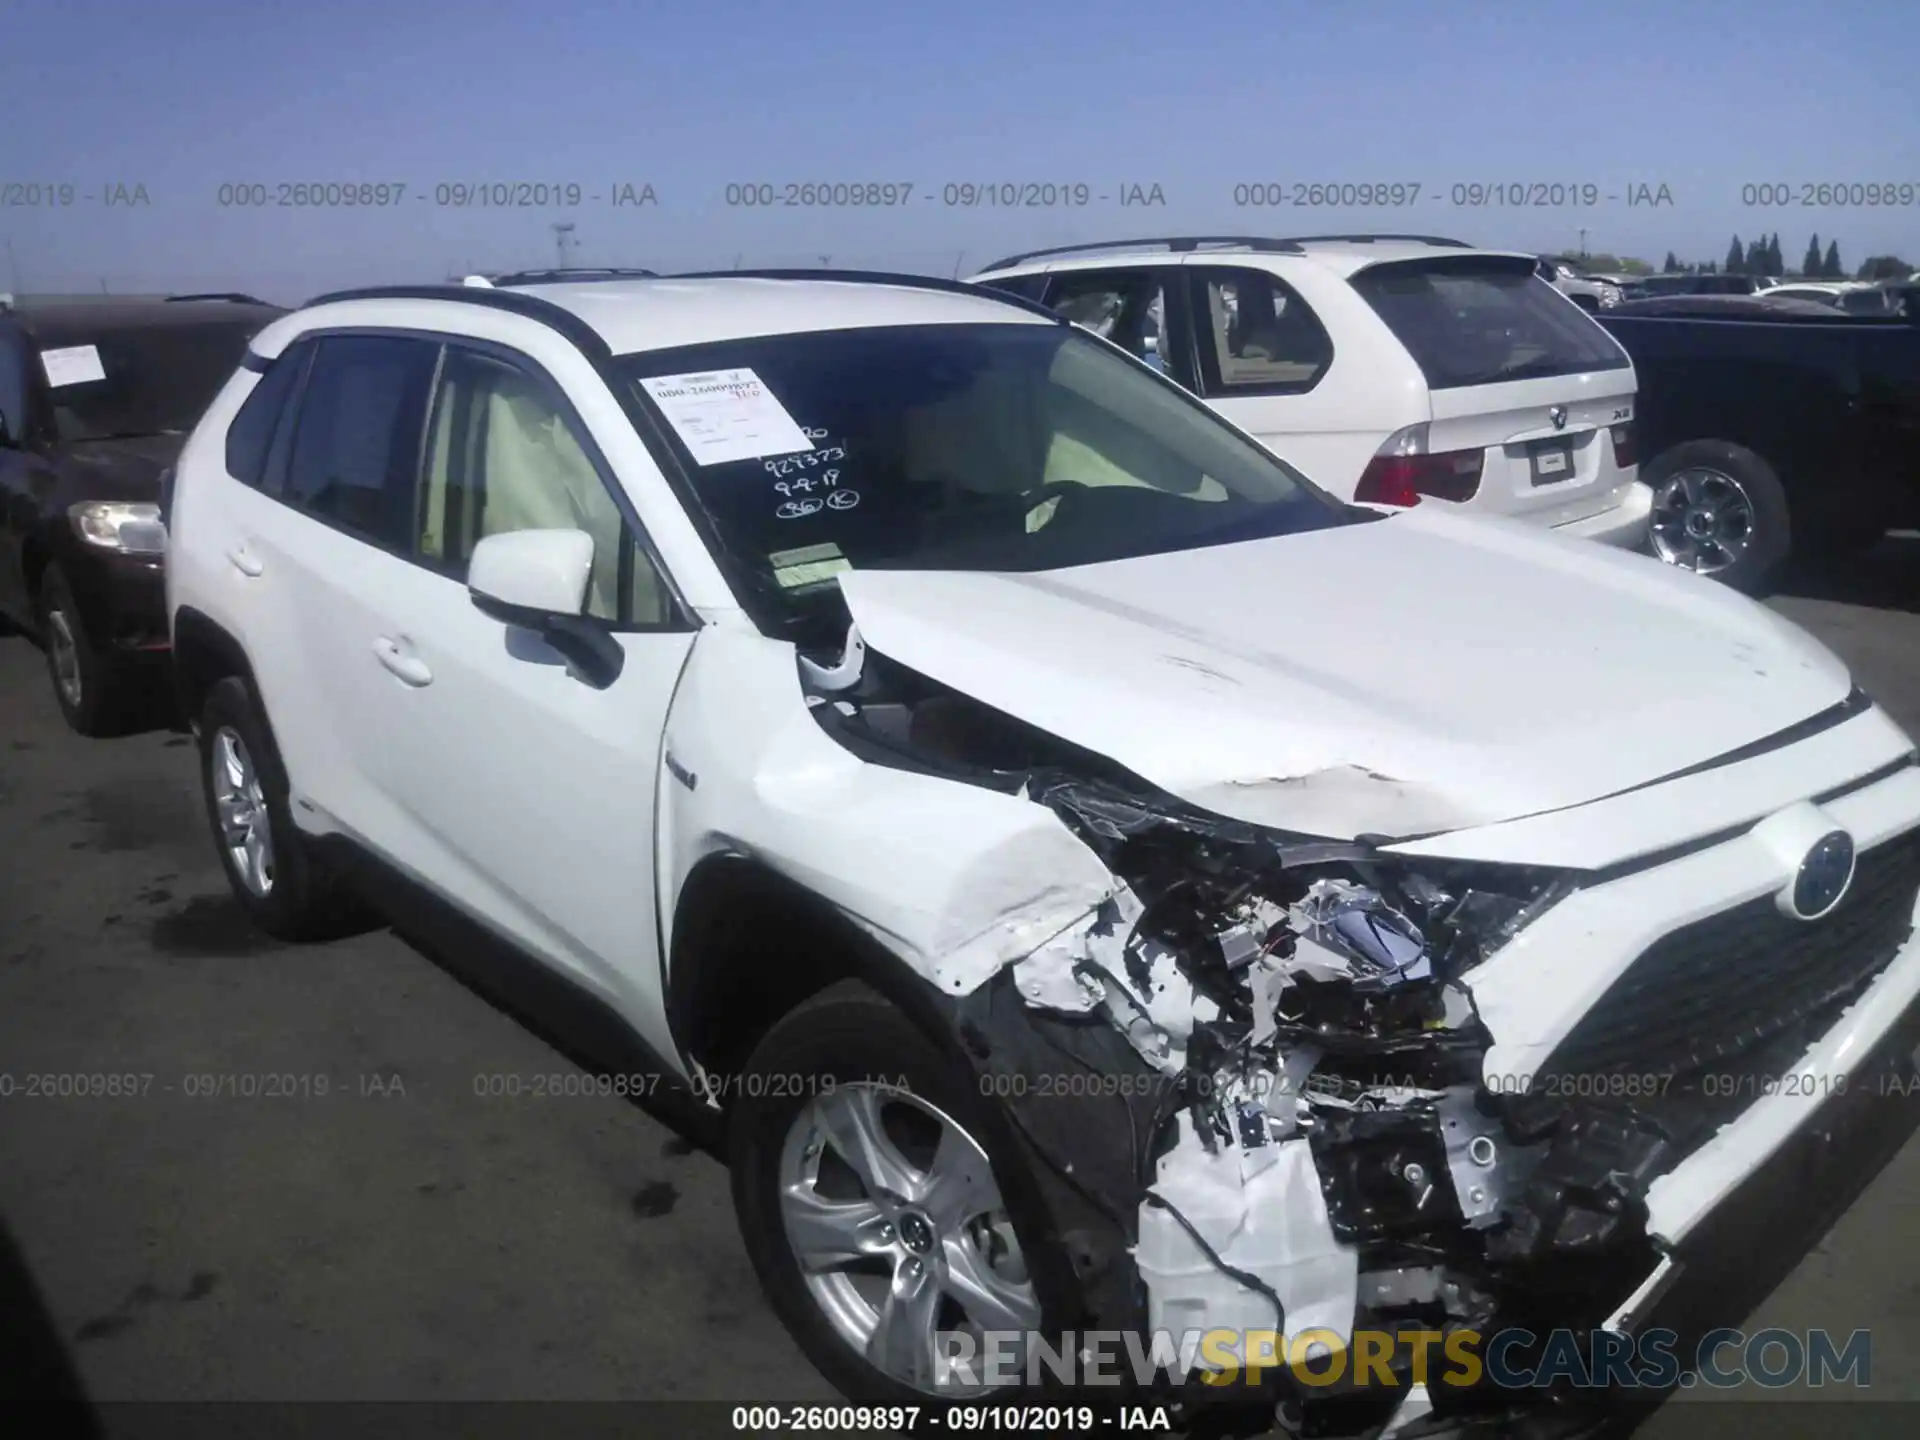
{"points": [[75, 365], [724, 415]]}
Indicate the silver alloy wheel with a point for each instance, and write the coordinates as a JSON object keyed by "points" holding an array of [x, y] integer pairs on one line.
{"points": [[65, 652], [901, 1235], [242, 807], [1702, 520]]}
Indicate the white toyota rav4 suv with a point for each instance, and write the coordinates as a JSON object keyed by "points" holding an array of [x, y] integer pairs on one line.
{"points": [[1387, 367], [1098, 880]]}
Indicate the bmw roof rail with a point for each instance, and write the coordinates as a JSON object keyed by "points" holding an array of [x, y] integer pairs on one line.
{"points": [[570, 273], [1369, 239], [233, 296], [878, 277], [1179, 244]]}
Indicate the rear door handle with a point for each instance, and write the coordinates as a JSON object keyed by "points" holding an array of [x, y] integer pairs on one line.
{"points": [[396, 657], [244, 561]]}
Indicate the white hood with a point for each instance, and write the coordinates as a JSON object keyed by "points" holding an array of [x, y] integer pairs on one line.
{"points": [[1425, 672]]}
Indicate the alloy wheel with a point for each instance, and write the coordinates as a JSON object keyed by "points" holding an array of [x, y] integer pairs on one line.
{"points": [[241, 805], [1703, 520], [64, 651], [901, 1235]]}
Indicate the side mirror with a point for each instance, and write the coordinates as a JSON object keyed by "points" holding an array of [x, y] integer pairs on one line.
{"points": [[537, 580]]}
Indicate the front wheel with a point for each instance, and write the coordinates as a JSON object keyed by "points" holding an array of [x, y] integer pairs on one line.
{"points": [[90, 690], [871, 1208], [1719, 510], [282, 885]]}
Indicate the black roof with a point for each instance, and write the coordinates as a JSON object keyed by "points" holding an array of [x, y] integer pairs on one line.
{"points": [[57, 322]]}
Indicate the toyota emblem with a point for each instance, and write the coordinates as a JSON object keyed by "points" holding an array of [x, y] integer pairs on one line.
{"points": [[1823, 876], [1558, 414]]}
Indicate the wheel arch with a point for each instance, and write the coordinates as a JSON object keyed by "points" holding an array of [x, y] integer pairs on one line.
{"points": [[749, 945]]}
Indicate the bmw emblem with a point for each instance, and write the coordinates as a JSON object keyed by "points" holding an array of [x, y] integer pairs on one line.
{"points": [[1823, 876], [1558, 415]]}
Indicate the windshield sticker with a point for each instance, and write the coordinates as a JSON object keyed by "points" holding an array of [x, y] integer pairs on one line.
{"points": [[75, 365], [726, 415], [808, 565]]}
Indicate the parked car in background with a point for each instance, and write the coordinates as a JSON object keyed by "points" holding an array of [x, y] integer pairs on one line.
{"points": [[1589, 292], [1853, 297], [96, 399], [1650, 287], [1791, 429], [1390, 368]]}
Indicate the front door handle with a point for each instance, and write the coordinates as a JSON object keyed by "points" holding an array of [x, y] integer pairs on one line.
{"points": [[244, 561], [410, 668]]}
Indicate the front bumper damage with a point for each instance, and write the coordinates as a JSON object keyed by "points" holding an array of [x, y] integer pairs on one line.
{"points": [[1493, 1077], [1278, 1084]]}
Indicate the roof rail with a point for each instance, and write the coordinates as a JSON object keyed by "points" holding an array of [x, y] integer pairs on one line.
{"points": [[572, 272], [555, 317], [1369, 239], [232, 295], [878, 277], [1176, 243]]}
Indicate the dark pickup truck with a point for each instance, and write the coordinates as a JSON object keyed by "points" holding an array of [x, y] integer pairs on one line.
{"points": [[1766, 429]]}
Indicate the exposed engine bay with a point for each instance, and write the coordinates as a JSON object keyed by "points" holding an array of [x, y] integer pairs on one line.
{"points": [[1284, 1122]]}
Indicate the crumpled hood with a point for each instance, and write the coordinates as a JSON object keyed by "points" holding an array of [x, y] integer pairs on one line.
{"points": [[1425, 672]]}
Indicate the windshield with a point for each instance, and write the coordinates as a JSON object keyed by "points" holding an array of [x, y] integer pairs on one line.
{"points": [[1007, 447], [158, 381], [1484, 319]]}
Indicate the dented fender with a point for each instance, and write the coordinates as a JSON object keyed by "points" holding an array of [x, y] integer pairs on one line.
{"points": [[955, 880]]}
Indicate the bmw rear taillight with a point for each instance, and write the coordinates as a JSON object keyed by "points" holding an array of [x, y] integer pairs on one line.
{"points": [[1404, 470], [1624, 453]]}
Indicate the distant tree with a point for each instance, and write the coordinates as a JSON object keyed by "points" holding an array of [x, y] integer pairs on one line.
{"points": [[1673, 264], [1812, 265], [1736, 258], [1756, 260], [1631, 266], [1599, 264], [1830, 267], [1776, 264], [1708, 267], [1884, 267]]}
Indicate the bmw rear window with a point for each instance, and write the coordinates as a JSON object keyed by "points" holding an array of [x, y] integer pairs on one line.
{"points": [[1485, 319]]}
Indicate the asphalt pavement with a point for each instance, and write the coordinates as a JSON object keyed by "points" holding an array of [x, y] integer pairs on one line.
{"points": [[305, 1190]]}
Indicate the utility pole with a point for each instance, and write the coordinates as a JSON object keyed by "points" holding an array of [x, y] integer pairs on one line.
{"points": [[956, 263], [13, 269], [826, 262], [562, 239], [1583, 242]]}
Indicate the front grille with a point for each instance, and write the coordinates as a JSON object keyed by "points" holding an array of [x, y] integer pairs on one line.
{"points": [[1723, 985]]}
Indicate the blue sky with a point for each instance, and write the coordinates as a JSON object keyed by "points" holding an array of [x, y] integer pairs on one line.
{"points": [[183, 97]]}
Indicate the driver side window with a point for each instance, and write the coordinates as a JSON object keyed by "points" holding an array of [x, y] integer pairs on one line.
{"points": [[500, 457]]}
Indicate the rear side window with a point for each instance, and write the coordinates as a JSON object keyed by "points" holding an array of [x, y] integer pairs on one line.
{"points": [[1265, 341], [251, 432], [1027, 287], [1483, 320], [357, 441]]}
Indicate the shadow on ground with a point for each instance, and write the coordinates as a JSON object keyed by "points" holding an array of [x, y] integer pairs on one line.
{"points": [[1886, 577], [37, 1373]]}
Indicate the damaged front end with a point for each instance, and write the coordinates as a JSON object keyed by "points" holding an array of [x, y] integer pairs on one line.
{"points": [[1253, 1077]]}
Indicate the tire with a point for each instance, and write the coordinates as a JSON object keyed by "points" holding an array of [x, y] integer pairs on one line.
{"points": [[824, 1053], [302, 900], [1721, 475], [89, 688]]}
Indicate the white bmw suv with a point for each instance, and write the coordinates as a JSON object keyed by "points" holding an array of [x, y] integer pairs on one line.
{"points": [[1095, 879], [1387, 367]]}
